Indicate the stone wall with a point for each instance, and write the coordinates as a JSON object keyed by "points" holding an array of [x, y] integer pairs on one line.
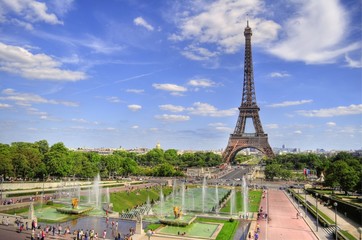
{"points": [[7, 186]]}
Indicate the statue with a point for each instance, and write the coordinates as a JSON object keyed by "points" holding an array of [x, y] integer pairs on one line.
{"points": [[75, 203], [177, 212]]}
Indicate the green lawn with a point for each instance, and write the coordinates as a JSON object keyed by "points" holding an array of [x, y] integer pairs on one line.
{"points": [[254, 197], [123, 200], [228, 230]]}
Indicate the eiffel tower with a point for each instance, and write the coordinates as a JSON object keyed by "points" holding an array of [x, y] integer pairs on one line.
{"points": [[248, 110]]}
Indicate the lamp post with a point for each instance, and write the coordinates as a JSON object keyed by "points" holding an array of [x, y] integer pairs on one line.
{"points": [[335, 204], [316, 206]]}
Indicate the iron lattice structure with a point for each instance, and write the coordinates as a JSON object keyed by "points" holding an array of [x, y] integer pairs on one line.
{"points": [[248, 110]]}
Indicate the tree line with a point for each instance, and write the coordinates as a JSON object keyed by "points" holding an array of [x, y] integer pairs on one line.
{"points": [[342, 171], [38, 160]]}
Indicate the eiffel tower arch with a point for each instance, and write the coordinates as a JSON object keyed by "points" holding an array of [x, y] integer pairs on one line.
{"points": [[248, 110]]}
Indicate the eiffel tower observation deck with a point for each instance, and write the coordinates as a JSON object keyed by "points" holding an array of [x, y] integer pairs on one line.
{"points": [[248, 110]]}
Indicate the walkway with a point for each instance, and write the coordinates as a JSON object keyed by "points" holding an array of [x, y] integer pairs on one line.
{"points": [[283, 223], [342, 222]]}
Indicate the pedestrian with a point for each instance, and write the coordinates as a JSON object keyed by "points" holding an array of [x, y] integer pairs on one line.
{"points": [[297, 215], [104, 234], [256, 236], [32, 236], [42, 235]]}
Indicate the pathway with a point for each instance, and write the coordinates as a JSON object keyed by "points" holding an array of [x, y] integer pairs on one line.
{"points": [[342, 222], [283, 223]]}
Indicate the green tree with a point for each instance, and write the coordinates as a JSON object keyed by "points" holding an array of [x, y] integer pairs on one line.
{"points": [[57, 161], [165, 170], [272, 170], [155, 156], [342, 175], [6, 165]]}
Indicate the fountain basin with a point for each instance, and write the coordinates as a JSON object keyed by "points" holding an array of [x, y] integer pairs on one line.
{"points": [[182, 222], [197, 230], [70, 210]]}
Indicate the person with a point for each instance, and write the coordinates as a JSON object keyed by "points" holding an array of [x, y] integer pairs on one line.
{"points": [[42, 235], [256, 236], [297, 215], [104, 234], [32, 236]]}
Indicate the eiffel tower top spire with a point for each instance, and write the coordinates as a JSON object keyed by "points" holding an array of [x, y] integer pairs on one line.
{"points": [[248, 98]]}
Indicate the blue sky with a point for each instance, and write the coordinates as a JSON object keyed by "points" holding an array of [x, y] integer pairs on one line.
{"points": [[94, 73]]}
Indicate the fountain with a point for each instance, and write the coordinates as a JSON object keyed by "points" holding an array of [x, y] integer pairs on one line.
{"points": [[216, 198], [245, 193], [97, 191], [174, 191], [78, 192], [162, 202], [183, 207], [204, 189], [108, 198], [232, 201], [31, 215]]}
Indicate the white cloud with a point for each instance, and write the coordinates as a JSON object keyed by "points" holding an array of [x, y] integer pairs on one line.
{"points": [[298, 132], [331, 124], [272, 126], [135, 90], [218, 124], [27, 99], [172, 117], [220, 127], [29, 10], [353, 63], [134, 107], [290, 103], [201, 83], [113, 99], [171, 108], [79, 120], [205, 109], [61, 7], [279, 74], [17, 60], [139, 21], [4, 105], [135, 127], [97, 45], [221, 23], [169, 87], [332, 112], [326, 19], [198, 53]]}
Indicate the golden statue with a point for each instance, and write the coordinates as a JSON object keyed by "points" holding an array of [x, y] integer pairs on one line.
{"points": [[177, 212], [75, 203]]}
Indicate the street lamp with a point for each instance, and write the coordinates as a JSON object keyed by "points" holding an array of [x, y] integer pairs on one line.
{"points": [[316, 206], [335, 204]]}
